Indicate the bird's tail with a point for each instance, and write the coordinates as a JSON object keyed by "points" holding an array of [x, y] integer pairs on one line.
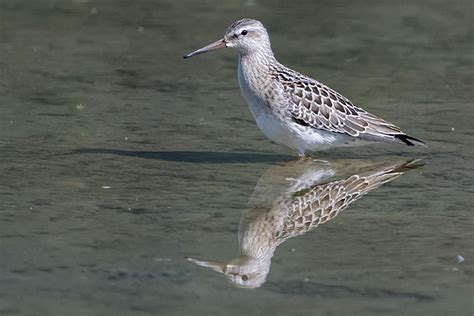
{"points": [[408, 140]]}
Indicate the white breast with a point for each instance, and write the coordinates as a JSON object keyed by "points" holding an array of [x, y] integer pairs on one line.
{"points": [[269, 123]]}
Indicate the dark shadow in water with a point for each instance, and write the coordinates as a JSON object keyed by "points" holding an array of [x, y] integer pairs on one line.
{"points": [[191, 156], [340, 291]]}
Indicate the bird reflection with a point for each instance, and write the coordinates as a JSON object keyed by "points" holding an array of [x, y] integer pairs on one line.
{"points": [[293, 199]]}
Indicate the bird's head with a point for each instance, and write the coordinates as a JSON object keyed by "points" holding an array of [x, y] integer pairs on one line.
{"points": [[243, 272], [246, 35]]}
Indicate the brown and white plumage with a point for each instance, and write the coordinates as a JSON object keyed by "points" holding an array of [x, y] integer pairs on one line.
{"points": [[315, 104], [293, 109], [291, 200]]}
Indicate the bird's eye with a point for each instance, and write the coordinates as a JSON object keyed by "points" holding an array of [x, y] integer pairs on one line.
{"points": [[244, 32], [245, 277]]}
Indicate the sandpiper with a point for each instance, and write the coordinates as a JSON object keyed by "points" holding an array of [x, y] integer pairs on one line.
{"points": [[293, 109]]}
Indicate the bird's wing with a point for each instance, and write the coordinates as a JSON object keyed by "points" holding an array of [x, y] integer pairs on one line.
{"points": [[316, 105], [310, 208]]}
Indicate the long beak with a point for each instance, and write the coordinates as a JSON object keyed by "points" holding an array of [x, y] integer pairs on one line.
{"points": [[214, 265], [213, 46]]}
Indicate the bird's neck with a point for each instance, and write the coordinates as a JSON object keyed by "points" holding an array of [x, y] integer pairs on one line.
{"points": [[256, 235], [255, 77], [258, 62]]}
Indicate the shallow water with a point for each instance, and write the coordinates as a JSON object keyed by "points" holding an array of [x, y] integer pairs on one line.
{"points": [[119, 159]]}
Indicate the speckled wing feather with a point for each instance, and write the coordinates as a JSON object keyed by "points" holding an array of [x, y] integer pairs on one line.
{"points": [[310, 208], [315, 104]]}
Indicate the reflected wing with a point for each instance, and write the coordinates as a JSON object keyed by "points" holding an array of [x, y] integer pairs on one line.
{"points": [[313, 207]]}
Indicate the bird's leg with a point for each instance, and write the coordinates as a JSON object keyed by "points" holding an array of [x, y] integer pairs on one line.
{"points": [[303, 156]]}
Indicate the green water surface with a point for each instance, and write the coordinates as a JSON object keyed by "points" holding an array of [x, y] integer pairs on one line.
{"points": [[118, 159]]}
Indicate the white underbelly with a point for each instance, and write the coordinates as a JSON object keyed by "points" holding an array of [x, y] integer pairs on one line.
{"points": [[288, 133], [274, 128], [301, 138]]}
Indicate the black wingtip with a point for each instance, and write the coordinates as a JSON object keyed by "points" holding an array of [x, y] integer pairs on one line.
{"points": [[410, 141]]}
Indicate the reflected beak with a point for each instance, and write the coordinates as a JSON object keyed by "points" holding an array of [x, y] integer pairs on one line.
{"points": [[214, 265], [213, 46]]}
